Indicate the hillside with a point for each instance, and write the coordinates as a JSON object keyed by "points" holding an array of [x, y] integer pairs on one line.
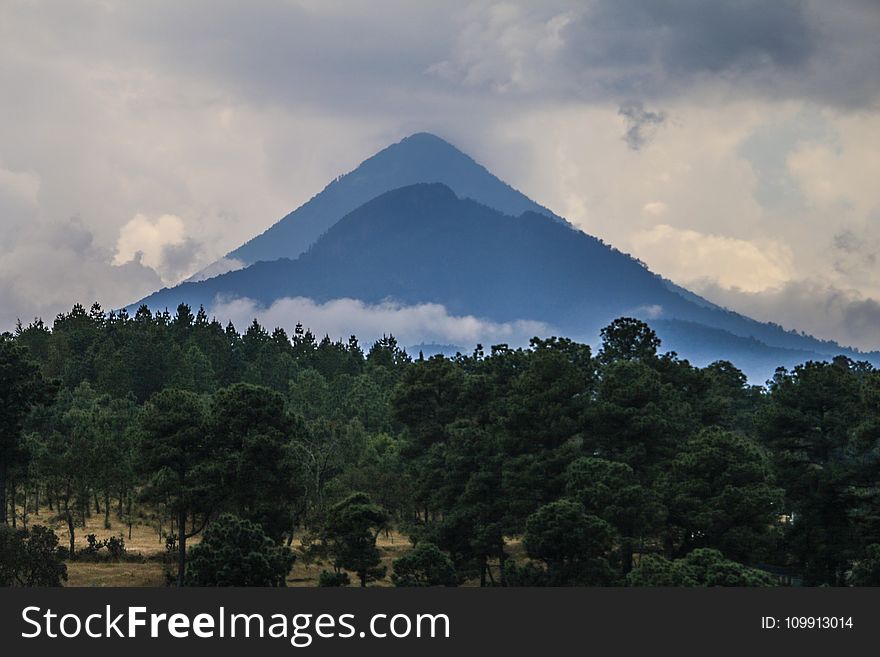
{"points": [[423, 244], [421, 157]]}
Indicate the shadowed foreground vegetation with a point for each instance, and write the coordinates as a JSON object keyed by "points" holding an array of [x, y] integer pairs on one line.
{"points": [[162, 449]]}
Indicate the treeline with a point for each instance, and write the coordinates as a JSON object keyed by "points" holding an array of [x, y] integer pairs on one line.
{"points": [[627, 466]]}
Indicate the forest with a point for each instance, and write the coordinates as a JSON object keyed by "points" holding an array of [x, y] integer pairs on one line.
{"points": [[250, 454]]}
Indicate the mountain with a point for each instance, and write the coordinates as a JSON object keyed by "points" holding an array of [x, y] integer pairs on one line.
{"points": [[424, 244], [421, 157]]}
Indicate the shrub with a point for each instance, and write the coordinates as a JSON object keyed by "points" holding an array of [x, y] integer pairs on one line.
{"points": [[426, 565], [114, 548], [30, 557], [330, 579], [702, 567], [236, 552], [866, 571]]}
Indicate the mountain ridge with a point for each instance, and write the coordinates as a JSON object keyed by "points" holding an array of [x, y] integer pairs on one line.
{"points": [[423, 244], [420, 157]]}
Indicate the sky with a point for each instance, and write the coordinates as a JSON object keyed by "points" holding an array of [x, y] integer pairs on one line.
{"points": [[734, 147]]}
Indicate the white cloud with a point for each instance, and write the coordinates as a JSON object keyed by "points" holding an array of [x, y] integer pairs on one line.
{"points": [[654, 311], [161, 244], [655, 208], [814, 306], [688, 256], [55, 265], [842, 175], [19, 186], [341, 318]]}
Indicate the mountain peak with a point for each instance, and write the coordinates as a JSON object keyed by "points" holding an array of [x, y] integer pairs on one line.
{"points": [[419, 158], [425, 137], [434, 158]]}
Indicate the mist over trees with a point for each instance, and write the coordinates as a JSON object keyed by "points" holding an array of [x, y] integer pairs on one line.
{"points": [[549, 465]]}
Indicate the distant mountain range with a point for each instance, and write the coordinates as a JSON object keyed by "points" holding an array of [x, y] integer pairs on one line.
{"points": [[420, 222]]}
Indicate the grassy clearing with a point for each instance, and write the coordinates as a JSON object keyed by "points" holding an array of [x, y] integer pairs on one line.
{"points": [[146, 543], [87, 573]]}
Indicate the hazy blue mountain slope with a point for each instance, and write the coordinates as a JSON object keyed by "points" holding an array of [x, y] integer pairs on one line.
{"points": [[423, 244], [703, 344], [419, 158]]}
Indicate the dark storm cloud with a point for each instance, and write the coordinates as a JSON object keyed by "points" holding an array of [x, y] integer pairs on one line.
{"points": [[640, 124], [694, 36], [787, 48], [340, 56], [358, 57]]}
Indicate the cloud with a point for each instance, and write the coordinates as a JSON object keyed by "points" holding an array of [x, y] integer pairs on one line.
{"points": [[828, 312], [340, 318], [228, 115], [504, 48], [160, 243], [653, 311], [19, 186], [640, 124], [659, 49], [221, 266], [655, 208], [54, 265], [689, 257]]}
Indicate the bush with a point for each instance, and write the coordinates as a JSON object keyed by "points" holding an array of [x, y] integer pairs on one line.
{"points": [[702, 567], [527, 574], [866, 571], [331, 580], [30, 557], [236, 552], [426, 565], [654, 570], [113, 548]]}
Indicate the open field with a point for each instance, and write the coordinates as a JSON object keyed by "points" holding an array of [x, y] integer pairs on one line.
{"points": [[145, 542]]}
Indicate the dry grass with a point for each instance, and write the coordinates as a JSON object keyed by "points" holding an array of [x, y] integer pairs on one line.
{"points": [[306, 574], [145, 539], [88, 573], [146, 542]]}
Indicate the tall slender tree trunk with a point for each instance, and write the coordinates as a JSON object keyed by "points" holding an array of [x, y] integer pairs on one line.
{"points": [[502, 573], [68, 515], [626, 555], [13, 502], [4, 470], [107, 509], [181, 546]]}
